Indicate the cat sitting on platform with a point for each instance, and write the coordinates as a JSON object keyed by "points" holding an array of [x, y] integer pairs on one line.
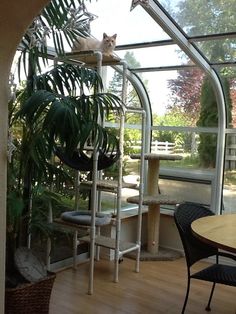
{"points": [[106, 45]]}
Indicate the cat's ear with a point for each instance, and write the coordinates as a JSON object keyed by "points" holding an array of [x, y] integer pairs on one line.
{"points": [[114, 36], [104, 35]]}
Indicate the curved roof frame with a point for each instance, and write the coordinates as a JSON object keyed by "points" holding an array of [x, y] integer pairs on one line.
{"points": [[158, 13]]}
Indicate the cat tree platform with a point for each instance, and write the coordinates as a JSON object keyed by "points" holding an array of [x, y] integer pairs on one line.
{"points": [[90, 58]]}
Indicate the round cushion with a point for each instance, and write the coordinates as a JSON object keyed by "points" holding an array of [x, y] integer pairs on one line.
{"points": [[84, 218]]}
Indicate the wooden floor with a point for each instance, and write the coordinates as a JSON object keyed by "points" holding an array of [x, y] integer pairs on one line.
{"points": [[159, 287]]}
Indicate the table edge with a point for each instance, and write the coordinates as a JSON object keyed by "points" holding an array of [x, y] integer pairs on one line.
{"points": [[216, 245]]}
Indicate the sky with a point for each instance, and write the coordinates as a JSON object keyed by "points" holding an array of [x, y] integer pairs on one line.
{"points": [[115, 17]]}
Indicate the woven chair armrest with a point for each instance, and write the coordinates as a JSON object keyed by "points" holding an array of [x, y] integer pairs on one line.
{"points": [[228, 255]]}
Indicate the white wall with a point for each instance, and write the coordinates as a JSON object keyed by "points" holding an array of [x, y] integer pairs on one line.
{"points": [[169, 237]]}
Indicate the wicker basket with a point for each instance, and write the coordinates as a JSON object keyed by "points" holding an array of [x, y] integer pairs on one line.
{"points": [[30, 298]]}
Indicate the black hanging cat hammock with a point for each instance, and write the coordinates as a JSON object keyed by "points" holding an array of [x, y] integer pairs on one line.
{"points": [[79, 160]]}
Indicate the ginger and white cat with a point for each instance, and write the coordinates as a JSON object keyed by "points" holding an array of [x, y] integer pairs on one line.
{"points": [[106, 45]]}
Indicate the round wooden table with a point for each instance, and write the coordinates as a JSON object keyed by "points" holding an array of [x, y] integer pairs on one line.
{"points": [[219, 231]]}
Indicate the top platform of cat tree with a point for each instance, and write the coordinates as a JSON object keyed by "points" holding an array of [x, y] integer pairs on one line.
{"points": [[90, 58]]}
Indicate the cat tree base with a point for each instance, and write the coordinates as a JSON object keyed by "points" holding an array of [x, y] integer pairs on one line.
{"points": [[163, 254]]}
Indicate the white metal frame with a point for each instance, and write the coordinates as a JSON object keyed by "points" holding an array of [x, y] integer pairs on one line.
{"points": [[137, 246], [154, 9]]}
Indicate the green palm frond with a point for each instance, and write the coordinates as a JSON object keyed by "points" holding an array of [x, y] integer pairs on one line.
{"points": [[48, 111], [68, 79], [58, 23], [34, 106], [15, 207], [71, 121]]}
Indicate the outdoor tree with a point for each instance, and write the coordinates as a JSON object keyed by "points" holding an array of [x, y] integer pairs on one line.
{"points": [[209, 118], [185, 93], [206, 17]]}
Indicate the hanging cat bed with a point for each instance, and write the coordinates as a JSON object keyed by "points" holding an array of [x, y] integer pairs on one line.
{"points": [[79, 160]]}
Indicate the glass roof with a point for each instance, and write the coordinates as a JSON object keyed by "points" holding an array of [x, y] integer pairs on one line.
{"points": [[114, 16], [218, 51], [209, 25], [158, 56], [202, 17]]}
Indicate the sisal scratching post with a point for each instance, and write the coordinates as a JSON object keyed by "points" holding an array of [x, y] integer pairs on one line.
{"points": [[153, 210]]}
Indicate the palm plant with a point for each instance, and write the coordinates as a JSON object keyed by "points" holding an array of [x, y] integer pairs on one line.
{"points": [[49, 111]]}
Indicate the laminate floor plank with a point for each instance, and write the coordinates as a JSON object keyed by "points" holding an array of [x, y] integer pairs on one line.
{"points": [[158, 288]]}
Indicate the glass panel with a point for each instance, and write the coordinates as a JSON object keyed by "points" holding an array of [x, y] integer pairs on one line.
{"points": [[186, 190], [157, 56], [176, 104], [114, 16], [175, 96], [62, 245], [227, 77], [112, 82], [157, 84], [218, 50], [132, 139], [191, 178], [203, 17], [131, 170], [198, 149]]}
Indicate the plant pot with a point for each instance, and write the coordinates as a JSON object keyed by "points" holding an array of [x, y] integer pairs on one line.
{"points": [[30, 298]]}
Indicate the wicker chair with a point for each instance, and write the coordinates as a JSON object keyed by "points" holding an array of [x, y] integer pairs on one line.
{"points": [[195, 250]]}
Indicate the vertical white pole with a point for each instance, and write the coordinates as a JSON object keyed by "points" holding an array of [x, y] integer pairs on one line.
{"points": [[94, 197], [121, 148], [141, 191]]}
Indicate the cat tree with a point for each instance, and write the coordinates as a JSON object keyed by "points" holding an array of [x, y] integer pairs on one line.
{"points": [[96, 59]]}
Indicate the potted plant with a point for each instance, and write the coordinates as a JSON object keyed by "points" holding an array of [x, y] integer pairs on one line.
{"points": [[47, 114], [28, 289]]}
